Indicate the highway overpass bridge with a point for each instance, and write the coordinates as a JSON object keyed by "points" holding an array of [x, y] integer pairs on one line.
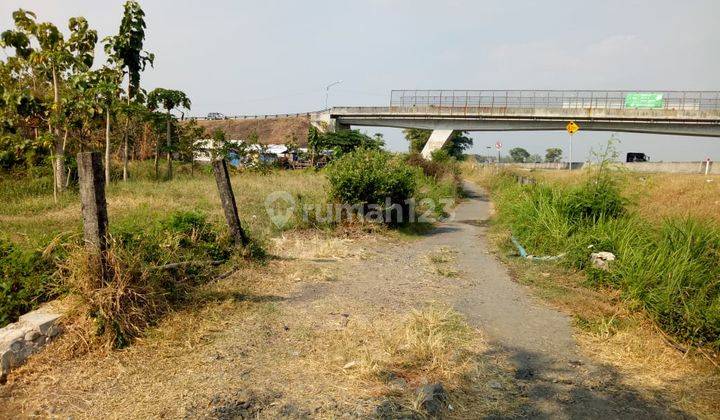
{"points": [[689, 113]]}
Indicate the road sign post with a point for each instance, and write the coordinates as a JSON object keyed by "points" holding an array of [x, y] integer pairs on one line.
{"points": [[498, 146], [571, 128]]}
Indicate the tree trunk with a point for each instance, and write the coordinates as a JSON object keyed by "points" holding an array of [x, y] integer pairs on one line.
{"points": [[169, 151], [157, 157], [59, 144], [107, 146], [125, 154], [59, 166], [127, 133], [55, 192]]}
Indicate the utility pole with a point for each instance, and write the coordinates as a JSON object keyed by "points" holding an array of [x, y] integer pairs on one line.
{"points": [[327, 91]]}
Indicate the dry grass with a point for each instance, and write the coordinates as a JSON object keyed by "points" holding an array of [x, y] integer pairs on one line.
{"points": [[251, 343], [110, 314], [657, 196], [442, 262]]}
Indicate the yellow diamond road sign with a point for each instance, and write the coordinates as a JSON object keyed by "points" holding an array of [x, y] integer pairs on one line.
{"points": [[572, 128]]}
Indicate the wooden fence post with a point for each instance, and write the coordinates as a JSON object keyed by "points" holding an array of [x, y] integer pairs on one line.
{"points": [[94, 211], [222, 177]]}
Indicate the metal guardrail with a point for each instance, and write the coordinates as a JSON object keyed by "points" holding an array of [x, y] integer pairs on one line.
{"points": [[256, 117], [560, 99]]}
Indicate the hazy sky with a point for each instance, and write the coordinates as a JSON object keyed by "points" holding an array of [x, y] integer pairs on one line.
{"points": [[248, 57]]}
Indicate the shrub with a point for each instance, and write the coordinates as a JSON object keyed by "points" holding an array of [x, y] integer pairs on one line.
{"points": [[371, 177], [599, 197], [434, 168], [23, 279]]}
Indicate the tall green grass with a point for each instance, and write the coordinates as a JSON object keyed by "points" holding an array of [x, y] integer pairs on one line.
{"points": [[670, 269]]}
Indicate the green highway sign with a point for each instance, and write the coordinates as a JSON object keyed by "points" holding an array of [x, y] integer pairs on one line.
{"points": [[644, 100]]}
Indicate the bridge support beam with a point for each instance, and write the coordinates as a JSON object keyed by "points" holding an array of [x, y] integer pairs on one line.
{"points": [[325, 123], [437, 140]]}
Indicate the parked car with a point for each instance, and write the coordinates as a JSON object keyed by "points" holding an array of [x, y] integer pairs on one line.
{"points": [[215, 116], [637, 157]]}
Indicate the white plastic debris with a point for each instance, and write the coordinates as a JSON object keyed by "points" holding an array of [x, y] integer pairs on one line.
{"points": [[601, 260]]}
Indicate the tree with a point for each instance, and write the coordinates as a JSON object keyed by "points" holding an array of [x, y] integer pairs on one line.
{"points": [[125, 51], [170, 99], [455, 146], [535, 158], [518, 154], [345, 141], [106, 91], [188, 144], [51, 62], [553, 154]]}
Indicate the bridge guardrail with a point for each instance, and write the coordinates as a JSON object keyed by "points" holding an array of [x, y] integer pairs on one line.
{"points": [[257, 117], [559, 99]]}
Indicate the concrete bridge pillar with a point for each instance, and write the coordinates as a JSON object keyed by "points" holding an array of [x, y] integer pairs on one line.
{"points": [[326, 124], [437, 140]]}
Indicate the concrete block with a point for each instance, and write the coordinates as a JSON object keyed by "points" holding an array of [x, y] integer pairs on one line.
{"points": [[23, 338], [6, 360], [39, 320], [10, 334]]}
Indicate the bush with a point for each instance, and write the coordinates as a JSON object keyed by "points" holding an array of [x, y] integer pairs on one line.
{"points": [[23, 279], [371, 177], [437, 169], [599, 197]]}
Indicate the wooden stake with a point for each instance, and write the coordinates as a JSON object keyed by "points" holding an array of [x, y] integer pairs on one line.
{"points": [[222, 177], [94, 211]]}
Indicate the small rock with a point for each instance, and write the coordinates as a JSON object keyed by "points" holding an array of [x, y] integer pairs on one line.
{"points": [[495, 385], [17, 346], [53, 331], [433, 398], [6, 360], [31, 335], [524, 373], [399, 383], [388, 409]]}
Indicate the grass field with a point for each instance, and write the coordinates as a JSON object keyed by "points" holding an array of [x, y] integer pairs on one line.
{"points": [[657, 196], [152, 223], [31, 219]]}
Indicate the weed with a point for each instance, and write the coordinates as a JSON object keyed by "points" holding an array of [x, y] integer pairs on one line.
{"points": [[669, 268]]}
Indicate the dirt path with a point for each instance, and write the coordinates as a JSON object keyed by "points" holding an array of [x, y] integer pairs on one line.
{"points": [[538, 340], [276, 341]]}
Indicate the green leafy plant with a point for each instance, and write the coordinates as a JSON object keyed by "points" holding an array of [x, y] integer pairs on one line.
{"points": [[169, 99], [24, 276], [365, 177]]}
